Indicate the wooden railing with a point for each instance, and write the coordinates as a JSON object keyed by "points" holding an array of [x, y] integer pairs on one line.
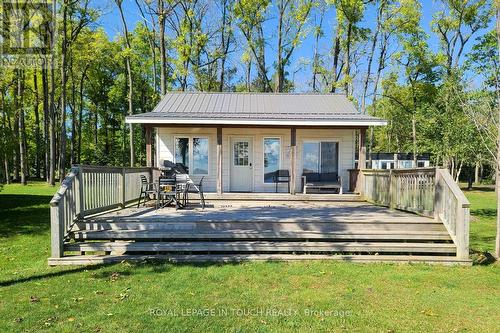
{"points": [[453, 209], [88, 190], [426, 191]]}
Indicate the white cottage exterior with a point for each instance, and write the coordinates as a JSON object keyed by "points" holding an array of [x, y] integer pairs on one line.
{"points": [[237, 141]]}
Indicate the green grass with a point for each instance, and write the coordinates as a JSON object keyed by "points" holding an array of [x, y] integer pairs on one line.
{"points": [[249, 297], [483, 218]]}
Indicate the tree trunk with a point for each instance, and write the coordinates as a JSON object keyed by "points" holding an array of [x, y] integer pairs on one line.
{"points": [[38, 137], [46, 121], [317, 34], [225, 41], [163, 56], [15, 148], [73, 116], [279, 62], [414, 138], [249, 72], [371, 55], [336, 54], [459, 171], [53, 126], [80, 116], [130, 82], [476, 173], [497, 241], [5, 139], [62, 147], [22, 128], [347, 60]]}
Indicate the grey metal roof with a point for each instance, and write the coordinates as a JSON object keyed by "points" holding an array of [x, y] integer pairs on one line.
{"points": [[197, 107]]}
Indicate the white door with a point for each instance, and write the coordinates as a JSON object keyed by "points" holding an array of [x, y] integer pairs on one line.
{"points": [[241, 165]]}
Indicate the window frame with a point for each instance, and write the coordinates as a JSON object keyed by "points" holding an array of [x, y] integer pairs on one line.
{"points": [[318, 141], [191, 152], [280, 159]]}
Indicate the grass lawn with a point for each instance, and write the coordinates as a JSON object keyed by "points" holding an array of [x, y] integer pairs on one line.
{"points": [[249, 297]]}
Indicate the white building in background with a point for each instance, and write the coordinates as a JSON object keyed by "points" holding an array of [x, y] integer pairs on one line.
{"points": [[398, 161]]}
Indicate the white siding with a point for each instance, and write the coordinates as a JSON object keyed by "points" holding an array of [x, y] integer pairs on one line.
{"points": [[345, 137]]}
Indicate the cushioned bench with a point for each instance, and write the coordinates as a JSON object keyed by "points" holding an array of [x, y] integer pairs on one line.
{"points": [[321, 182]]}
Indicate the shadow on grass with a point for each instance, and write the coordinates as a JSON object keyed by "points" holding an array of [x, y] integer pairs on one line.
{"points": [[483, 258], [24, 214], [483, 188], [484, 212], [52, 275], [157, 266]]}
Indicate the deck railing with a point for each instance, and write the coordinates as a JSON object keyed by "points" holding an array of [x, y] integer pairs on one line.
{"points": [[453, 209], [426, 191], [88, 190]]}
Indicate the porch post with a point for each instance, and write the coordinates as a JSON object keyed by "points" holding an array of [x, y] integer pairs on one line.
{"points": [[293, 159], [219, 160], [149, 154], [361, 159]]}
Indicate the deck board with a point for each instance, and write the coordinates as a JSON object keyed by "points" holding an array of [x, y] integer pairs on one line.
{"points": [[253, 230], [278, 211]]}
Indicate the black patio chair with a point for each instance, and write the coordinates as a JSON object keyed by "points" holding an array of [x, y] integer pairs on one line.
{"points": [[166, 192], [181, 189], [282, 176], [147, 189]]}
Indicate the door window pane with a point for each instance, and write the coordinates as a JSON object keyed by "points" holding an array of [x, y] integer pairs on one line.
{"points": [[200, 156], [329, 157], [240, 153], [310, 157], [272, 155], [182, 152]]}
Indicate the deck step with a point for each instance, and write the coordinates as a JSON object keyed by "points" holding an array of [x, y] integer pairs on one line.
{"points": [[202, 219], [207, 225], [264, 246], [394, 259], [423, 235]]}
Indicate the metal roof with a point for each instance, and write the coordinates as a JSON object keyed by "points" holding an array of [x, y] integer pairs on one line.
{"points": [[255, 108]]}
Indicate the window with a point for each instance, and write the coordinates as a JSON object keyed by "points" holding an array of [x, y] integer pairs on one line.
{"points": [[194, 159], [272, 154], [200, 156], [311, 157], [241, 153], [320, 157], [182, 152]]}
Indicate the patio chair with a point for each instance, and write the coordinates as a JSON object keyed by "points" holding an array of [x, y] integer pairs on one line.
{"points": [[166, 192], [282, 176], [147, 189], [197, 188], [182, 181]]}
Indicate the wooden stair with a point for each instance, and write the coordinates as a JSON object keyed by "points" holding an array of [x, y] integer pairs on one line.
{"points": [[403, 239]]}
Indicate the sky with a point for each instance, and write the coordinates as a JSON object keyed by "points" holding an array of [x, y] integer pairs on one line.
{"points": [[110, 21]]}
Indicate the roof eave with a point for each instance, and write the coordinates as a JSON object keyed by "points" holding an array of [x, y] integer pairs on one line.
{"points": [[333, 122]]}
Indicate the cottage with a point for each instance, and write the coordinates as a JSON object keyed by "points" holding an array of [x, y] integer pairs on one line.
{"points": [[238, 141], [239, 144]]}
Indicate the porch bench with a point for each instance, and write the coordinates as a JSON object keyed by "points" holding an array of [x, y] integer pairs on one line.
{"points": [[321, 182]]}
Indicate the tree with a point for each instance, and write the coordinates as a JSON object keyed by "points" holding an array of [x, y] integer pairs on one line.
{"points": [[251, 15], [130, 80], [292, 17], [456, 24]]}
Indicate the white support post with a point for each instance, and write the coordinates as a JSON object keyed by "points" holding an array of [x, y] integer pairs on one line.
{"points": [[57, 229]]}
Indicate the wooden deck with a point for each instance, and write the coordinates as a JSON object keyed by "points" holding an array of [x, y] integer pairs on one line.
{"points": [[260, 230]]}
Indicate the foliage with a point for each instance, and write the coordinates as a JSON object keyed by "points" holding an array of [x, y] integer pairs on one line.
{"points": [[426, 94]]}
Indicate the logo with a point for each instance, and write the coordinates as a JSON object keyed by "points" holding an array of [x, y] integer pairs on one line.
{"points": [[27, 33]]}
